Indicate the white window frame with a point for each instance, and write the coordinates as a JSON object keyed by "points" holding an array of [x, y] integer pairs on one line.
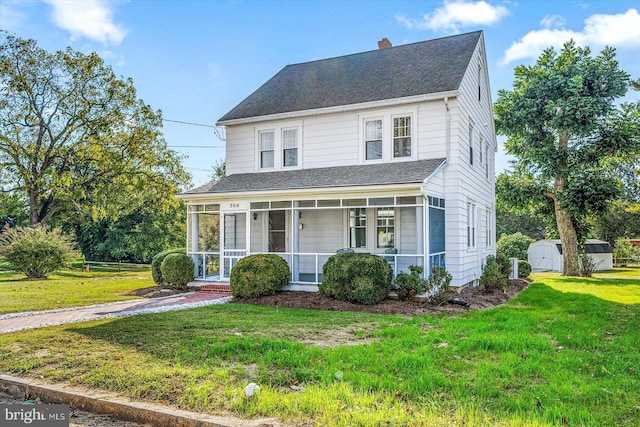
{"points": [[366, 140], [471, 131], [471, 226], [261, 150], [393, 137], [488, 231], [387, 117], [297, 147], [278, 145]]}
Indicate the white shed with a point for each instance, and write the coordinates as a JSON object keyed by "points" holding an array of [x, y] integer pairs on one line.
{"points": [[546, 255]]}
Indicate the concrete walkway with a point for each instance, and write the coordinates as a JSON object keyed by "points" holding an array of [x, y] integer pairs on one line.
{"points": [[18, 321]]}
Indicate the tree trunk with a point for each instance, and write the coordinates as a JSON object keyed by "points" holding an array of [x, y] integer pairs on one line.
{"points": [[33, 207], [568, 235]]}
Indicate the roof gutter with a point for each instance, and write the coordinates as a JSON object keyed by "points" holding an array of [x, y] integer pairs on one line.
{"points": [[342, 108]]}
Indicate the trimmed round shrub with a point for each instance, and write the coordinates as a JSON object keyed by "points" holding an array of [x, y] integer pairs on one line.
{"points": [[177, 270], [514, 245], [35, 251], [356, 277], [524, 269], [408, 285], [156, 262], [259, 274]]}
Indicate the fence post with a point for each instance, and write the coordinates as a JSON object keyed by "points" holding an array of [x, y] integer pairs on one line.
{"points": [[514, 268]]}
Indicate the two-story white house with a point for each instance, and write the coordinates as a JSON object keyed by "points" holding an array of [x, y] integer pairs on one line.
{"points": [[389, 151]]}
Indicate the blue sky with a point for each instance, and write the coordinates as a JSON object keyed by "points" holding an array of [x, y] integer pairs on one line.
{"points": [[196, 59]]}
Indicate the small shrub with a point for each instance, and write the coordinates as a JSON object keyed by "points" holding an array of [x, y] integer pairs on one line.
{"points": [[587, 265], [505, 265], [408, 285], [259, 274], [156, 262], [524, 269], [492, 275], [357, 277], [177, 270], [35, 251], [514, 245], [440, 284]]}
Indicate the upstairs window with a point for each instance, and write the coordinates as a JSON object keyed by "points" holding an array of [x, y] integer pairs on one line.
{"points": [[402, 136], [480, 148], [290, 147], [486, 163], [373, 139], [267, 149]]}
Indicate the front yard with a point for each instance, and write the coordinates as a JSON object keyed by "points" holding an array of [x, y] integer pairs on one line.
{"points": [[70, 288], [565, 352]]}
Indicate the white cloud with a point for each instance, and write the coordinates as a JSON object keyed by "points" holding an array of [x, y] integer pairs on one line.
{"points": [[455, 14], [91, 19], [551, 21], [10, 18], [620, 30]]}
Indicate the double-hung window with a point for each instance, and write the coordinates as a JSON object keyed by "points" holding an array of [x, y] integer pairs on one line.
{"points": [[290, 147], [471, 144], [385, 227], [471, 225], [373, 139], [402, 136], [267, 149], [358, 228], [489, 238]]}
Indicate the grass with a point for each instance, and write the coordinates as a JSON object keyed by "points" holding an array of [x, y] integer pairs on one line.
{"points": [[65, 289], [553, 356]]}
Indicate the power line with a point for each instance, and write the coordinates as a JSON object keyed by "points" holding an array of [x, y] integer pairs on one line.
{"points": [[196, 146], [190, 123]]}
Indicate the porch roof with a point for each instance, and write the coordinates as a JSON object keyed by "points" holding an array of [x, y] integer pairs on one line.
{"points": [[338, 176]]}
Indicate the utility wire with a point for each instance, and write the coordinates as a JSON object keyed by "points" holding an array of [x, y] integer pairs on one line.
{"points": [[190, 123], [195, 146]]}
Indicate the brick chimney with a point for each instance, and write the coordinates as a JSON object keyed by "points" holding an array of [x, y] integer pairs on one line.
{"points": [[384, 43]]}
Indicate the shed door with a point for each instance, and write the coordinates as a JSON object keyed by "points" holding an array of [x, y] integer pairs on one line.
{"points": [[542, 257]]}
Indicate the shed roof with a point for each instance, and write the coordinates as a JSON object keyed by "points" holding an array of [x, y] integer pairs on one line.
{"points": [[421, 68], [591, 246], [337, 176]]}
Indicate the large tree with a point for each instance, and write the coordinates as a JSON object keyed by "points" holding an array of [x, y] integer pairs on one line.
{"points": [[74, 138], [565, 130]]}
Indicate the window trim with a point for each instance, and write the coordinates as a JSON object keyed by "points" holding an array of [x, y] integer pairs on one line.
{"points": [[260, 150], [365, 140], [471, 226], [387, 116], [470, 137], [488, 226], [377, 227], [393, 137], [278, 145], [284, 149]]}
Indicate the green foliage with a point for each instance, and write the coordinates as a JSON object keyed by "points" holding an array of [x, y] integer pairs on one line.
{"points": [[177, 270], [504, 263], [528, 223], [156, 263], [493, 277], [259, 274], [564, 127], [357, 277], [408, 285], [36, 251], [439, 283], [524, 269], [624, 251], [514, 245], [620, 220], [76, 138], [134, 237], [587, 265]]}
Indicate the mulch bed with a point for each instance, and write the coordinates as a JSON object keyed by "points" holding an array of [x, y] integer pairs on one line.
{"points": [[477, 299]]}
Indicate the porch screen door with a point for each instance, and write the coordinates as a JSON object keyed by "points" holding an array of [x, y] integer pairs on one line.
{"points": [[277, 239]]}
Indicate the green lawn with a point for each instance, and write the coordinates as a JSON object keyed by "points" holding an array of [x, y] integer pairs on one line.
{"points": [[560, 354], [67, 289]]}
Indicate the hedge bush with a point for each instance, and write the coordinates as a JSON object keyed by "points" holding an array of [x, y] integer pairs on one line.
{"points": [[357, 277], [35, 251], [524, 269], [259, 274], [177, 270], [514, 245], [439, 284], [156, 262], [492, 275], [505, 265]]}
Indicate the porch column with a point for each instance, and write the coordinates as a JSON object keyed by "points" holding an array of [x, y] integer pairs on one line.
{"points": [[295, 245], [425, 235], [195, 220], [221, 259], [248, 232]]}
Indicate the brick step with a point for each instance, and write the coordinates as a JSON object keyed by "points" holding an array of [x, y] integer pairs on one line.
{"points": [[215, 288]]}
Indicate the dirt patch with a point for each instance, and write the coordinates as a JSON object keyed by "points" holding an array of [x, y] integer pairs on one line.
{"points": [[154, 292], [477, 299]]}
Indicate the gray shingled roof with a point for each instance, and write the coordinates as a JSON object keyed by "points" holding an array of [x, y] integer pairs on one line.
{"points": [[414, 69], [338, 176]]}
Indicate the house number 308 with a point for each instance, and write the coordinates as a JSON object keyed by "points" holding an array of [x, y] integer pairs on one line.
{"points": [[234, 205]]}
